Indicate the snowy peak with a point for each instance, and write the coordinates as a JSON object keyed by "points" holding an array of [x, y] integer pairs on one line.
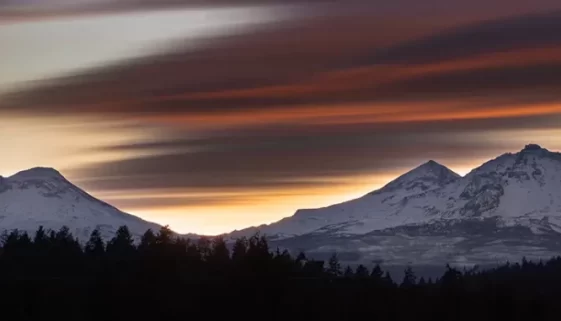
{"points": [[41, 173], [428, 176], [524, 183], [533, 148], [432, 167], [534, 151], [43, 197], [515, 189], [532, 159], [508, 207]]}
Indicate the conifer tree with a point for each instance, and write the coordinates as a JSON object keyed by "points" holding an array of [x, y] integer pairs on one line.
{"points": [[258, 247], [193, 259], [301, 257], [220, 254], [313, 269], [349, 273], [65, 245], [258, 256], [122, 244], [361, 272], [239, 250], [451, 278], [41, 247], [40, 240], [95, 247], [333, 266], [165, 236], [147, 242], [387, 280], [377, 273], [409, 278], [203, 246]]}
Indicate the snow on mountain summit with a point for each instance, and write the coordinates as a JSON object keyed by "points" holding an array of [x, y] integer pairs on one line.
{"points": [[532, 148], [430, 175], [505, 209], [524, 184], [43, 197], [515, 188], [37, 173]]}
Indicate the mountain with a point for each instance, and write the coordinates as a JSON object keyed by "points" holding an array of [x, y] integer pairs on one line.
{"points": [[42, 196], [507, 208]]}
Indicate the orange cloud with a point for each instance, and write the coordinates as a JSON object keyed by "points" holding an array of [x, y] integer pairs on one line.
{"points": [[371, 76], [358, 113]]}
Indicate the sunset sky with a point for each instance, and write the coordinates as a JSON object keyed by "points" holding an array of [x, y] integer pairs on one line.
{"points": [[212, 116]]}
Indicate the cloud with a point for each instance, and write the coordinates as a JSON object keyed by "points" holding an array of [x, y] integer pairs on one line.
{"points": [[534, 30], [238, 86], [318, 99], [292, 66], [295, 156], [15, 11]]}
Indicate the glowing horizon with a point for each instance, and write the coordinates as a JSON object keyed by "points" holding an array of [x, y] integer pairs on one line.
{"points": [[215, 118]]}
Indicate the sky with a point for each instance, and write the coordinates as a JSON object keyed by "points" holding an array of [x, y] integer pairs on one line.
{"points": [[211, 116]]}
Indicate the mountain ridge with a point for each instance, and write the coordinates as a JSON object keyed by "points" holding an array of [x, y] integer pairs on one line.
{"points": [[506, 208], [513, 192]]}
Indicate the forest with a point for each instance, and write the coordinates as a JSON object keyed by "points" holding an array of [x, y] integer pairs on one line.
{"points": [[52, 275]]}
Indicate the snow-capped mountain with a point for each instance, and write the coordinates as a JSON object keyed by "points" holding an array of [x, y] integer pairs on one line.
{"points": [[507, 208], [43, 197]]}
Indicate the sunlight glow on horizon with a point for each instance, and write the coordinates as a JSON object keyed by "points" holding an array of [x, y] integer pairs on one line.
{"points": [[57, 147], [255, 210], [238, 113]]}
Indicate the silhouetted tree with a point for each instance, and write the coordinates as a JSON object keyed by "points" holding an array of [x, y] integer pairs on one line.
{"points": [[409, 278], [377, 273], [313, 269], [349, 273], [168, 275], [65, 245], [164, 237], [95, 247], [333, 266], [283, 264], [122, 244], [301, 257], [258, 256], [219, 255], [192, 252], [41, 247], [147, 242], [203, 246], [41, 240], [17, 247], [451, 278], [258, 247], [387, 280], [361, 272], [239, 250]]}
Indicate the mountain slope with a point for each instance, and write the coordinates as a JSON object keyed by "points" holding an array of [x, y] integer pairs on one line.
{"points": [[514, 199], [376, 210], [42, 196]]}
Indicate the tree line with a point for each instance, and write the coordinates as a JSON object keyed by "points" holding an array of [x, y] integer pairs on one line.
{"points": [[163, 276]]}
